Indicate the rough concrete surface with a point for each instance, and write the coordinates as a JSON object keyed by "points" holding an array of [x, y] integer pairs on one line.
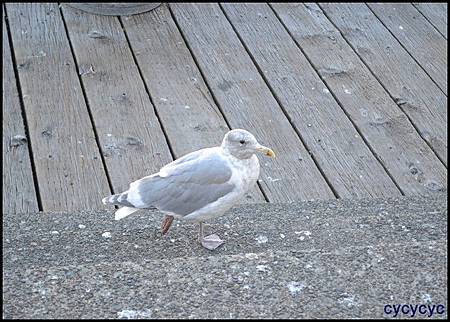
{"points": [[318, 259]]}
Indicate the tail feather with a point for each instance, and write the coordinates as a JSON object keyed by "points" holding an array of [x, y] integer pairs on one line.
{"points": [[124, 212], [119, 199]]}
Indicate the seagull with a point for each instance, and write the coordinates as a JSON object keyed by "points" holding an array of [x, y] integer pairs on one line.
{"points": [[199, 186]]}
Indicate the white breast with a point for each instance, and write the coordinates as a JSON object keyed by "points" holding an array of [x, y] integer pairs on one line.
{"points": [[245, 172]]}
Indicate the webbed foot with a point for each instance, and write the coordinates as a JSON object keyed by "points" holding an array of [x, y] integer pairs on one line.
{"points": [[211, 242]]}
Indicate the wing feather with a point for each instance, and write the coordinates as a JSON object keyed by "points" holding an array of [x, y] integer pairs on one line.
{"points": [[185, 185]]}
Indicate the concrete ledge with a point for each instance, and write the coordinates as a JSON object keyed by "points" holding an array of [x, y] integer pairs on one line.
{"points": [[345, 258]]}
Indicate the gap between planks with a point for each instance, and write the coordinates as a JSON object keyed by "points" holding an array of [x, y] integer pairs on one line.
{"points": [[163, 13], [83, 90], [118, 43], [338, 102], [416, 127], [22, 108], [172, 153], [153, 103], [312, 73], [421, 10], [58, 120], [216, 102], [327, 49], [241, 81], [269, 86], [406, 49]]}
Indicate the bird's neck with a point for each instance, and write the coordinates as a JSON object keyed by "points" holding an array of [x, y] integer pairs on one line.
{"points": [[235, 153]]}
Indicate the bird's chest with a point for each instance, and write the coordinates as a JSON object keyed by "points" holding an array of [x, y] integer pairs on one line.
{"points": [[246, 172]]}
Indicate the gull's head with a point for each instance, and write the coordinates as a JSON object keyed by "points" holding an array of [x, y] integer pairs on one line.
{"points": [[242, 144]]}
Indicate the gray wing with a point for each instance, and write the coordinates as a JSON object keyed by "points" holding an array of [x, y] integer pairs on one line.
{"points": [[185, 185]]}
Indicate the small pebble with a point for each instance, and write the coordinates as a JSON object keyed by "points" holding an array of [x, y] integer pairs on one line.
{"points": [[106, 234], [295, 287], [261, 268], [251, 256], [261, 239]]}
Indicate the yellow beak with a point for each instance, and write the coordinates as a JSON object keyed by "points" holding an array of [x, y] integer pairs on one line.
{"points": [[266, 151]]}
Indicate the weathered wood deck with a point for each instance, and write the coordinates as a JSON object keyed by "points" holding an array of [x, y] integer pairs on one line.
{"points": [[351, 97]]}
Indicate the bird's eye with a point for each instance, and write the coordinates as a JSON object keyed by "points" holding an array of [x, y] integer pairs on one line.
{"points": [[242, 141]]}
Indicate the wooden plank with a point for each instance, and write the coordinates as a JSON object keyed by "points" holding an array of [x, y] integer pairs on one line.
{"points": [[68, 164], [410, 161], [406, 82], [19, 195], [436, 14], [418, 36], [128, 128], [186, 108], [247, 103], [347, 162]]}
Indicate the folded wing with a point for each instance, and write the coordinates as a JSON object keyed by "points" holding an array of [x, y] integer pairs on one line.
{"points": [[185, 185]]}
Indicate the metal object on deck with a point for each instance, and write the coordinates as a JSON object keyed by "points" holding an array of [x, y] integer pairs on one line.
{"points": [[114, 8]]}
